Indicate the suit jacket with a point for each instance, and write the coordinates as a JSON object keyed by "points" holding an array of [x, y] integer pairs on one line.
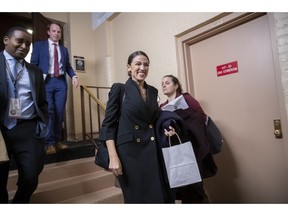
{"points": [[38, 93], [133, 131], [40, 57], [143, 116]]}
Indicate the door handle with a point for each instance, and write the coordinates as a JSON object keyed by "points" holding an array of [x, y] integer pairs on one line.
{"points": [[277, 129]]}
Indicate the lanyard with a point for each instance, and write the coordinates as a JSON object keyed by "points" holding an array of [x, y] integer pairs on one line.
{"points": [[14, 81]]}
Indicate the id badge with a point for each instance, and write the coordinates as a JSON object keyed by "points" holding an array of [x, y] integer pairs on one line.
{"points": [[15, 108]]}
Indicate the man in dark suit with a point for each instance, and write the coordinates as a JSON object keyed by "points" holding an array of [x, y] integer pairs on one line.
{"points": [[23, 115], [53, 59]]}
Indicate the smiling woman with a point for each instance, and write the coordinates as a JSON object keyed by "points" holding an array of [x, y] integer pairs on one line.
{"points": [[128, 130]]}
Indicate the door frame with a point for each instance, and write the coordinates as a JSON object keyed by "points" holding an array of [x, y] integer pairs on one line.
{"points": [[214, 26]]}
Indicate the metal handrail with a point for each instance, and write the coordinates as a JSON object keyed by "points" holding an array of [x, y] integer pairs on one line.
{"points": [[100, 105], [94, 98]]}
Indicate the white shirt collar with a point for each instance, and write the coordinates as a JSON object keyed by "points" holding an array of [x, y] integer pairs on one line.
{"points": [[51, 42], [7, 55]]}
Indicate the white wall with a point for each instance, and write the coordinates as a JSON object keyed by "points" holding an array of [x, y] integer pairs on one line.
{"points": [[154, 33]]}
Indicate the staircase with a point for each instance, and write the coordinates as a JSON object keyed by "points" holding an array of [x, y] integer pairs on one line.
{"points": [[76, 180]]}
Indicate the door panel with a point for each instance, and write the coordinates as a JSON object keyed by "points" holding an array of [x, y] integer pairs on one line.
{"points": [[39, 26], [252, 166]]}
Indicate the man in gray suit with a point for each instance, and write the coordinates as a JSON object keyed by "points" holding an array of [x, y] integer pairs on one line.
{"points": [[23, 115]]}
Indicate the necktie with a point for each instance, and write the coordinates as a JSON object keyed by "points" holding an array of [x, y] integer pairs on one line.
{"points": [[56, 63], [18, 67]]}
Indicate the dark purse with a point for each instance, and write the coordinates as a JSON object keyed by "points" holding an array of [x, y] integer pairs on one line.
{"points": [[102, 156], [214, 137]]}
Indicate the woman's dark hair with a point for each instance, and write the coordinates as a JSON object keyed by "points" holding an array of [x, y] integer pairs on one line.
{"points": [[176, 82], [133, 55]]}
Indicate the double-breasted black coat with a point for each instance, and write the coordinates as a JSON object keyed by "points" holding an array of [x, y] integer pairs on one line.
{"points": [[130, 122]]}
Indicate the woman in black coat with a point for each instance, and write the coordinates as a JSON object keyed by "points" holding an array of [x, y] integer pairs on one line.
{"points": [[128, 129]]}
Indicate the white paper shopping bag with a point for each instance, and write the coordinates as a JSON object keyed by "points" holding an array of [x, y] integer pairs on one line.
{"points": [[181, 165]]}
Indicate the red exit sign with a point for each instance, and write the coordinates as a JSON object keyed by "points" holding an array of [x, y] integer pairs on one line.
{"points": [[228, 68]]}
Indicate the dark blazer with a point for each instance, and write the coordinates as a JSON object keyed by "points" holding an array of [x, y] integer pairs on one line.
{"points": [[134, 134], [40, 57], [37, 88], [141, 114]]}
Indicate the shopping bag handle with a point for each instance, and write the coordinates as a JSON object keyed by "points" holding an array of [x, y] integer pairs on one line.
{"points": [[178, 139]]}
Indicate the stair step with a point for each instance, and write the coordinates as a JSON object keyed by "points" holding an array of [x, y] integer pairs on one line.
{"points": [[54, 192], [59, 170], [111, 195], [72, 181], [75, 150]]}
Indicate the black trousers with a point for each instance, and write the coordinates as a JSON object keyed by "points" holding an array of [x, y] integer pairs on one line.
{"points": [[194, 193], [28, 153]]}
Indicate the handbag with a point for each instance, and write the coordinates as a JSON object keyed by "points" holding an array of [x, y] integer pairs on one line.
{"points": [[102, 156], [214, 137], [181, 165]]}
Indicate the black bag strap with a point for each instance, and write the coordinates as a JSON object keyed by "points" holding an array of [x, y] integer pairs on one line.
{"points": [[122, 95], [121, 98]]}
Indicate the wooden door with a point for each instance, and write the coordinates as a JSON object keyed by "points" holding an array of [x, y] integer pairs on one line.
{"points": [[253, 165], [40, 24]]}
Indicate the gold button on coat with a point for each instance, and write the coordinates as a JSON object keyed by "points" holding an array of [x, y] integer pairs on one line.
{"points": [[136, 127], [152, 138], [138, 140]]}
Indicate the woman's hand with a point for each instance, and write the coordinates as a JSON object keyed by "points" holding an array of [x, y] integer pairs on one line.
{"points": [[115, 166], [170, 132]]}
